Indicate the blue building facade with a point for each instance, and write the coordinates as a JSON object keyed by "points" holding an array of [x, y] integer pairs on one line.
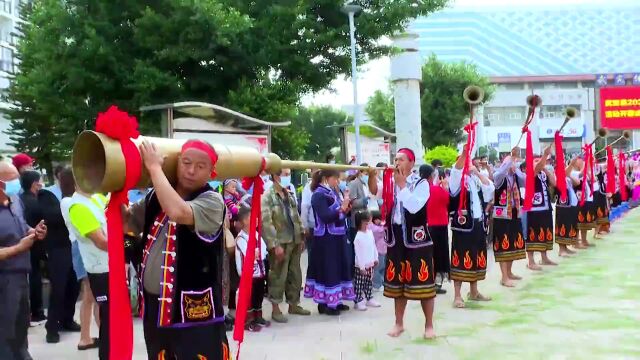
{"points": [[519, 41]]}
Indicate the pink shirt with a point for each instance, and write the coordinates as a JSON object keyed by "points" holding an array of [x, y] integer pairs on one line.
{"points": [[379, 236]]}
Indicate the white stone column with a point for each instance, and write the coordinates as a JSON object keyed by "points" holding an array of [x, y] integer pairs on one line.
{"points": [[406, 74]]}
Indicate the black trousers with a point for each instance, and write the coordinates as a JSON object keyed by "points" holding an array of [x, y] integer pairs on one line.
{"points": [[234, 281], [257, 294], [208, 341], [35, 284], [99, 284], [64, 289], [14, 316]]}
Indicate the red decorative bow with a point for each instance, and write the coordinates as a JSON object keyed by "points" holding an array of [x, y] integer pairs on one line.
{"points": [[246, 278], [470, 129], [622, 176], [611, 172], [123, 127], [561, 175]]}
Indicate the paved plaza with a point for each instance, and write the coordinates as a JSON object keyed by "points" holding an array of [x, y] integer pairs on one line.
{"points": [[586, 308]]}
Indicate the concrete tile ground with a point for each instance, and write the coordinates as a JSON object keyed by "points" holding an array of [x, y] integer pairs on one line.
{"points": [[586, 308]]}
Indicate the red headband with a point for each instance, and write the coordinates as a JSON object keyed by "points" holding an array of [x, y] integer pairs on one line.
{"points": [[410, 155], [206, 148]]}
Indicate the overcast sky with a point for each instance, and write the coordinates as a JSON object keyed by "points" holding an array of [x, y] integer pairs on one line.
{"points": [[375, 75]]}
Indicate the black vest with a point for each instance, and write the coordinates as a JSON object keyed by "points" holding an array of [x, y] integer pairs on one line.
{"points": [[414, 226], [198, 265], [466, 222]]}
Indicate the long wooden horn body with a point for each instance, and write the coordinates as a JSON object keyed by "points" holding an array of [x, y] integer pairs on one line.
{"points": [[99, 164]]}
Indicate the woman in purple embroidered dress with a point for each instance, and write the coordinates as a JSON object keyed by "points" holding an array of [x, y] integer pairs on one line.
{"points": [[329, 275]]}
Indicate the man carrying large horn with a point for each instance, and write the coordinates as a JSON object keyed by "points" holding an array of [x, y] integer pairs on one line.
{"points": [[181, 268]]}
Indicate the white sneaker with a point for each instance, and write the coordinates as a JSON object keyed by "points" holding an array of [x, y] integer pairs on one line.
{"points": [[361, 306], [373, 303]]}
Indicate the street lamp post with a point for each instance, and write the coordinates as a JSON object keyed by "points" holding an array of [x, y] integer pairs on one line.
{"points": [[351, 10]]}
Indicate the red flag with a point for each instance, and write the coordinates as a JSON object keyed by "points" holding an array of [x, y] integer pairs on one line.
{"points": [[246, 278], [561, 175], [611, 171], [120, 126]]}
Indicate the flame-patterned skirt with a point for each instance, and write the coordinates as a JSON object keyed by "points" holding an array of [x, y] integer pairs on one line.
{"points": [[539, 236], [469, 254], [409, 272], [586, 216], [601, 208], [508, 241], [566, 225]]}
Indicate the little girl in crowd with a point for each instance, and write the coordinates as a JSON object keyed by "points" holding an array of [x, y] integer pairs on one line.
{"points": [[255, 321], [377, 228], [366, 261]]}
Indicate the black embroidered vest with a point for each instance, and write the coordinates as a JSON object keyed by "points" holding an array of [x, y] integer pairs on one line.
{"points": [[192, 276]]}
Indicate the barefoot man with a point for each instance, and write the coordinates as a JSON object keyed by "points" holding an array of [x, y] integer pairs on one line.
{"points": [[584, 192], [539, 236], [508, 239], [409, 273], [468, 245]]}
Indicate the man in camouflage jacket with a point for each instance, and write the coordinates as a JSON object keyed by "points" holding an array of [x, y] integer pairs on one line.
{"points": [[283, 232]]}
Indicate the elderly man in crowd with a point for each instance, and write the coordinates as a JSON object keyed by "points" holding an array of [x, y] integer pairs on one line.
{"points": [[16, 238]]}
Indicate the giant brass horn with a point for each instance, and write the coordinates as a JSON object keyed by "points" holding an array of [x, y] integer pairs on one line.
{"points": [[473, 95], [99, 165]]}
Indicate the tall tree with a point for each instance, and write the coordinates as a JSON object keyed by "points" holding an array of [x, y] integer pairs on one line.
{"points": [[443, 110], [320, 123], [79, 56]]}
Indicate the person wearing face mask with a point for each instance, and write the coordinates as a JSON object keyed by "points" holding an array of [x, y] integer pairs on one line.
{"points": [[31, 184], [285, 182], [16, 238], [359, 195], [330, 273], [283, 232]]}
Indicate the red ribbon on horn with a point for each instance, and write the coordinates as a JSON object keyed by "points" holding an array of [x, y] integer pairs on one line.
{"points": [[470, 129], [611, 171], [123, 127], [561, 175], [622, 176], [246, 278], [587, 174]]}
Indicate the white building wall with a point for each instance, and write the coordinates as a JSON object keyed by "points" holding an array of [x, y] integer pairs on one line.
{"points": [[507, 111], [9, 11]]}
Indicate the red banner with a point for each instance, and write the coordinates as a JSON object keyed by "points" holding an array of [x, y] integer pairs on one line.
{"points": [[620, 107]]}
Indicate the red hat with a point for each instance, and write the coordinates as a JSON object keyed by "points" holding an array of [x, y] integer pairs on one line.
{"points": [[21, 160]]}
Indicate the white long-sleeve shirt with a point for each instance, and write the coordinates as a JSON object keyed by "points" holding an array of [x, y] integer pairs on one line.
{"points": [[365, 249], [241, 249], [306, 211], [474, 185], [413, 197]]}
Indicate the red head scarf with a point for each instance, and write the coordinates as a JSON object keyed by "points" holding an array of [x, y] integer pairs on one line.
{"points": [[204, 147], [409, 153]]}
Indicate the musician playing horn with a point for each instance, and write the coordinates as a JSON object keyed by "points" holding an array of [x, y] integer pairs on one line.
{"points": [[468, 246], [409, 272]]}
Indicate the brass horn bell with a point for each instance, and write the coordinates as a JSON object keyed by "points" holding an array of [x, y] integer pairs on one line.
{"points": [[473, 95]]}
